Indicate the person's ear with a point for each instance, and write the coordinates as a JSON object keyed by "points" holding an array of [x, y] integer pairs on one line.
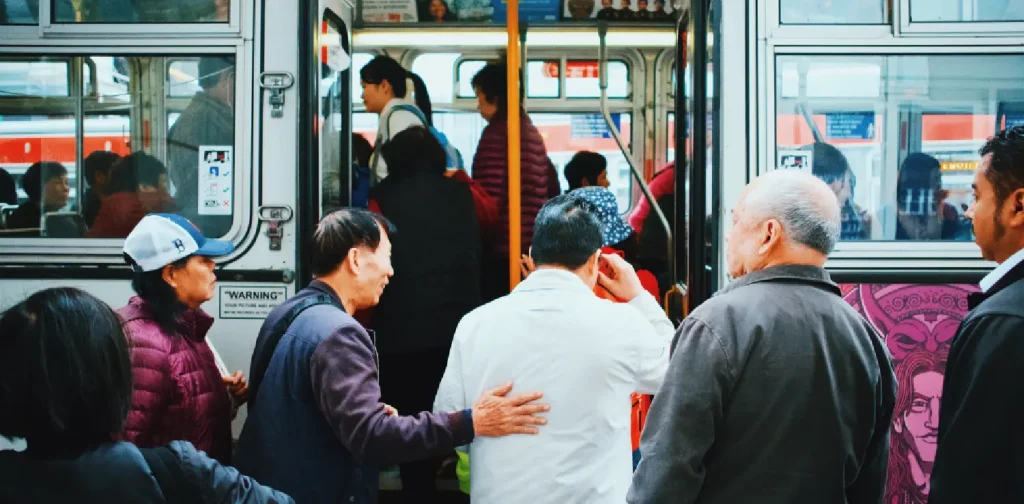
{"points": [[1015, 204], [353, 261], [168, 274], [771, 235]]}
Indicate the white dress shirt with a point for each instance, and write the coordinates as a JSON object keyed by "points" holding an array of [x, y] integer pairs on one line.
{"points": [[997, 274], [587, 355]]}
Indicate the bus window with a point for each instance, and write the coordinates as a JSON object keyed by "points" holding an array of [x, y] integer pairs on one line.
{"points": [[670, 156], [848, 12], [955, 11], [543, 78], [19, 12], [359, 60], [34, 77], [335, 157], [75, 183], [149, 11], [436, 71], [909, 181]]}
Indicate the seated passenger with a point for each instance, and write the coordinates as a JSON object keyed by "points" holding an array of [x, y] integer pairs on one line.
{"points": [[490, 169], [317, 427], [179, 392], [663, 184], [46, 184], [65, 387], [437, 251], [830, 165], [778, 390], [587, 354], [98, 167], [361, 152], [586, 169], [921, 210], [138, 186], [8, 189]]}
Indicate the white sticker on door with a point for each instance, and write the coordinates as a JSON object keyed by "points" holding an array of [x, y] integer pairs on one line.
{"points": [[216, 179]]}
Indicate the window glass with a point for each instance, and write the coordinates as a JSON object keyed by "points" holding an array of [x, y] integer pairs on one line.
{"points": [[834, 12], [183, 77], [335, 161], [953, 11], [34, 77], [135, 11], [670, 156], [909, 181], [359, 60], [436, 71], [565, 134], [19, 12], [81, 183], [581, 80]]}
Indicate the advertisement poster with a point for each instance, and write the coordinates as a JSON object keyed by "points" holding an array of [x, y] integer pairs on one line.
{"points": [[637, 11], [216, 179], [388, 11]]}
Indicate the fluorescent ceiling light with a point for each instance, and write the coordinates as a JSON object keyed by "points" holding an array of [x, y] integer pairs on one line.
{"points": [[400, 37]]}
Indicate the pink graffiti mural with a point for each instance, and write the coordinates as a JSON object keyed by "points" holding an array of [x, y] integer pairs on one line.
{"points": [[918, 323]]}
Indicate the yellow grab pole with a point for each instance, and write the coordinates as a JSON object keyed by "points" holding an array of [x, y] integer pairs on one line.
{"points": [[514, 193]]}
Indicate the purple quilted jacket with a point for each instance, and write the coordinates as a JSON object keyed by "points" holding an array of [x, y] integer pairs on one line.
{"points": [[178, 393]]}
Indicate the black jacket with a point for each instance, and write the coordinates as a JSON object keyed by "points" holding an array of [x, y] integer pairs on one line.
{"points": [[436, 257], [980, 456]]}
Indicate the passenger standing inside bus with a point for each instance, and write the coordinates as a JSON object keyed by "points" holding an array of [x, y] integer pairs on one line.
{"points": [[778, 390], [586, 169], [46, 184], [65, 387], [587, 354], [207, 120], [436, 254], [539, 181], [178, 391], [385, 92], [98, 166], [980, 443], [137, 186], [317, 427], [829, 164], [921, 211]]}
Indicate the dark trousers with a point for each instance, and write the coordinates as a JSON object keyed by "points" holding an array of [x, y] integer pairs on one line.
{"points": [[409, 382]]}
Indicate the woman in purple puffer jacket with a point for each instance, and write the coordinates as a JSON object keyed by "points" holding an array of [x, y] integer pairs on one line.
{"points": [[178, 392]]}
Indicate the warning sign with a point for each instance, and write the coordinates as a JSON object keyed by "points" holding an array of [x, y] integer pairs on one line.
{"points": [[250, 302]]}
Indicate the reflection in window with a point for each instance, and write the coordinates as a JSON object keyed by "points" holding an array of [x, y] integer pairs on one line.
{"points": [[95, 181], [955, 11], [910, 181], [333, 137], [34, 77], [145, 11], [19, 12], [834, 12]]}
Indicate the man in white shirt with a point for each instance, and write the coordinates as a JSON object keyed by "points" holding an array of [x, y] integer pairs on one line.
{"points": [[587, 354]]}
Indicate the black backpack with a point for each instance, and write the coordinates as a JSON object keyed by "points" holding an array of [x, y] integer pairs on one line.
{"points": [[170, 476]]}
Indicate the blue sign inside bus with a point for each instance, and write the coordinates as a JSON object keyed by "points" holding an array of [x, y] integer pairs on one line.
{"points": [[1013, 120], [850, 126], [593, 126], [529, 10]]}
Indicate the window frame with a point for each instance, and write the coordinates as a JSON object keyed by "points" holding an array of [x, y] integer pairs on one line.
{"points": [[867, 253], [32, 250], [773, 27], [240, 15], [988, 28]]}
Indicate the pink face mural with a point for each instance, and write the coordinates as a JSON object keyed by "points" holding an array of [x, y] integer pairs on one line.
{"points": [[918, 323]]}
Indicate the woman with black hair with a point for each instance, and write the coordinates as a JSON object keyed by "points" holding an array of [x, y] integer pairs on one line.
{"points": [[179, 392], [386, 87], [921, 209], [137, 185], [66, 387]]}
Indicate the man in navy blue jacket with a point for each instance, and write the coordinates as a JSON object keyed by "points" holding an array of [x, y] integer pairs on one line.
{"points": [[316, 427]]}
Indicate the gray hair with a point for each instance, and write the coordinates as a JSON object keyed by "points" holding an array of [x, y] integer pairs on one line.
{"points": [[805, 205]]}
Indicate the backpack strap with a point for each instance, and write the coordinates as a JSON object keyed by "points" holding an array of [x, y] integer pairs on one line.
{"points": [[170, 475], [261, 359]]}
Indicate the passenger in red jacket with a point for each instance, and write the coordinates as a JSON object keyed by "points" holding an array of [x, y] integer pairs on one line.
{"points": [[539, 181], [178, 390]]}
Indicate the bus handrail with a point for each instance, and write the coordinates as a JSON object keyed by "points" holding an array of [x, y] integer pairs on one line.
{"points": [[602, 61], [514, 146]]}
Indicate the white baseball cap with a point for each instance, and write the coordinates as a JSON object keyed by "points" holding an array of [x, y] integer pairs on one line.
{"points": [[161, 239]]}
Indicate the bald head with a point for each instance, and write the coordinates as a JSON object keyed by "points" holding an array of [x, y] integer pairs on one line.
{"points": [[804, 205]]}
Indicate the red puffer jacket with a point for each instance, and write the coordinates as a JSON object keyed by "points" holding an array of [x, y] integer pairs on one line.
{"points": [[178, 393], [539, 181]]}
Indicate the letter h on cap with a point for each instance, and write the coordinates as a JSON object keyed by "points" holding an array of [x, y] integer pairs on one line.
{"points": [[178, 244]]}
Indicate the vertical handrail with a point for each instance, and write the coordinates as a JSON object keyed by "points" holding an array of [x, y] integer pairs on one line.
{"points": [[602, 61], [512, 109]]}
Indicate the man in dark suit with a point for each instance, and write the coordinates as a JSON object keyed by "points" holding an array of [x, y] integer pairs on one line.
{"points": [[980, 456]]}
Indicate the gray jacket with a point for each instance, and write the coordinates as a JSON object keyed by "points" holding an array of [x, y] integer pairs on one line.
{"points": [[777, 392]]}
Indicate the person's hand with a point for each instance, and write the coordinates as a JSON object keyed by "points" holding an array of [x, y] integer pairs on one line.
{"points": [[621, 280], [238, 388], [526, 265], [496, 415], [390, 410]]}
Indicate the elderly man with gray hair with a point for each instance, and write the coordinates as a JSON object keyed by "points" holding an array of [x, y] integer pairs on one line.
{"points": [[777, 390]]}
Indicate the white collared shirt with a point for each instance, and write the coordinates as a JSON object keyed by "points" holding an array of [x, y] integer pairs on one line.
{"points": [[587, 355], [997, 274]]}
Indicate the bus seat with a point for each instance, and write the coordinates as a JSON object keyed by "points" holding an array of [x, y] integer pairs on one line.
{"points": [[63, 225], [5, 211]]}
